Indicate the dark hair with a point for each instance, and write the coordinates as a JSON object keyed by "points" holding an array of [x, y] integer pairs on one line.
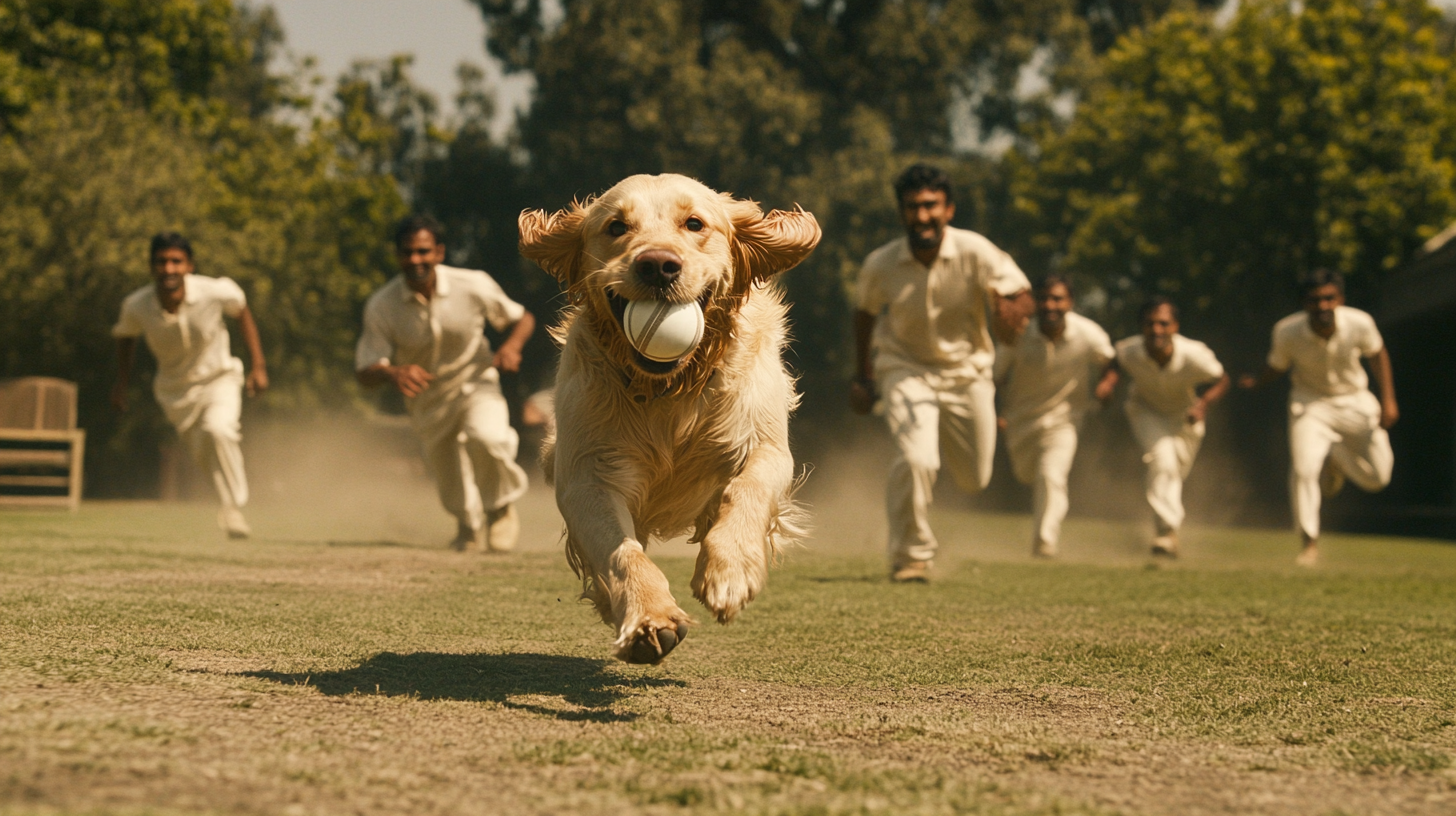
{"points": [[1051, 279], [919, 177], [169, 240], [408, 227], [1153, 304], [1315, 278]]}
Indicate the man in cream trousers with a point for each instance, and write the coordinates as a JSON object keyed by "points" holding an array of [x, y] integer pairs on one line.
{"points": [[1174, 381], [199, 382], [1337, 427], [924, 303], [424, 332], [1046, 378]]}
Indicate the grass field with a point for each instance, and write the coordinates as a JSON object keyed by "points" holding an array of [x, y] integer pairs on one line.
{"points": [[147, 666]]}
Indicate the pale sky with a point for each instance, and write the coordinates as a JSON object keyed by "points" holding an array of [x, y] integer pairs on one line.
{"points": [[440, 34]]}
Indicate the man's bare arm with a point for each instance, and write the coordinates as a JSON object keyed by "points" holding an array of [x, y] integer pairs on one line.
{"points": [[125, 353], [1010, 314], [1199, 410], [862, 388], [258, 371], [1107, 383], [508, 356], [1267, 375], [411, 380], [1385, 381]]}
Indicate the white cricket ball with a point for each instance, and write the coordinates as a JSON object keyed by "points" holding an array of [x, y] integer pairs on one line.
{"points": [[663, 331]]}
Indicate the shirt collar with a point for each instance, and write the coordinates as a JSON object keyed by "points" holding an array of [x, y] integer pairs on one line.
{"points": [[442, 284]]}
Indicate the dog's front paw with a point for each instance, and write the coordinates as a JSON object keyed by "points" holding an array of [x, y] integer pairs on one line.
{"points": [[725, 588], [650, 640]]}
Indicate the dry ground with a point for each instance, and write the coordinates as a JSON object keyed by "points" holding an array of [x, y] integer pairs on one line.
{"points": [[343, 662]]}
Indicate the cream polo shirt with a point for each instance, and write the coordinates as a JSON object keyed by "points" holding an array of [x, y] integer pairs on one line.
{"points": [[1049, 382], [445, 334], [192, 346], [1171, 389], [934, 319], [1322, 368]]}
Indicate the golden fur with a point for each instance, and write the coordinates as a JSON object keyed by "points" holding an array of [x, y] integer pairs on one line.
{"points": [[643, 450]]}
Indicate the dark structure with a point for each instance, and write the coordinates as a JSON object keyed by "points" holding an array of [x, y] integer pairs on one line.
{"points": [[1418, 319]]}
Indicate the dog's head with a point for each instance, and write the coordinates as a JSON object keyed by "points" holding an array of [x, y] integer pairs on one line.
{"points": [[665, 237]]}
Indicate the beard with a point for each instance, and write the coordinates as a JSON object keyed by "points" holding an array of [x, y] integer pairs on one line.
{"points": [[922, 240]]}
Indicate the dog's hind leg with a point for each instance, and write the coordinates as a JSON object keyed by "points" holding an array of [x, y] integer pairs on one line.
{"points": [[735, 551], [629, 589]]}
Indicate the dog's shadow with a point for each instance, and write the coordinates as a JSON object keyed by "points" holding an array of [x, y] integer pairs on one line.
{"points": [[589, 691]]}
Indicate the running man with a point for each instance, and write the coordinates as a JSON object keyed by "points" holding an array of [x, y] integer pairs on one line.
{"points": [[1337, 427], [1174, 381], [924, 302], [199, 382], [424, 332], [1047, 375]]}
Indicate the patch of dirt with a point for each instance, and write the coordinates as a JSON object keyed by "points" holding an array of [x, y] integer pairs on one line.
{"points": [[225, 734]]}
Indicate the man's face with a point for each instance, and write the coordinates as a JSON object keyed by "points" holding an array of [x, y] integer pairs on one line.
{"points": [[925, 214], [418, 256], [1320, 305], [1158, 329], [1052, 305], [169, 266]]}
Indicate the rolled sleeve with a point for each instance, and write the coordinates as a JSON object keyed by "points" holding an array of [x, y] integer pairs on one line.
{"points": [[1370, 340], [1279, 358], [500, 311], [127, 325], [374, 345], [231, 296], [1005, 278]]}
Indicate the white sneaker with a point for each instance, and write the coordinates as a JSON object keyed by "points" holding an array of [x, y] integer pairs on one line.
{"points": [[231, 520], [503, 528]]}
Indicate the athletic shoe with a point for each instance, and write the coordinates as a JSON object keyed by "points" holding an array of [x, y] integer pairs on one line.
{"points": [[504, 527], [911, 572], [231, 520], [1309, 556], [1042, 549], [1166, 545], [1332, 479]]}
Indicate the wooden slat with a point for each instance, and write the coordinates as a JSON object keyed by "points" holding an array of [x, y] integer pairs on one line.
{"points": [[35, 501], [35, 481], [30, 458]]}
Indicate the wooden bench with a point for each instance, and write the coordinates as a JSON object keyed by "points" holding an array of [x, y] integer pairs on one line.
{"points": [[41, 450]]}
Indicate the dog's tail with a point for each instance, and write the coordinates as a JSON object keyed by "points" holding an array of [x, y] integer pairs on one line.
{"points": [[791, 521]]}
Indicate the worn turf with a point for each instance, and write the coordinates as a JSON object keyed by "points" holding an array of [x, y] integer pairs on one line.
{"points": [[148, 666]]}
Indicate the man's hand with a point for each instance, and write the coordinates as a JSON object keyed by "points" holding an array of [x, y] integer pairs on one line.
{"points": [[257, 381], [1389, 413], [411, 380], [862, 395], [507, 358], [1002, 424], [1248, 381], [1197, 412], [118, 397]]}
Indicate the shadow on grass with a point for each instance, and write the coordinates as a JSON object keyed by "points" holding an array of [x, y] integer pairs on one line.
{"points": [[583, 683]]}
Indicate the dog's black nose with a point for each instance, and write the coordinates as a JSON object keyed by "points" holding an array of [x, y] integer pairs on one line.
{"points": [[658, 268]]}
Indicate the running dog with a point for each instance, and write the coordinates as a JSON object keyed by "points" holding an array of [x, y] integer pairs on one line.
{"points": [[646, 449]]}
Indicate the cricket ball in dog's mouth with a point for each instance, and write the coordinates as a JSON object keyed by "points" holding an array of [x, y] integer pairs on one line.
{"points": [[662, 331]]}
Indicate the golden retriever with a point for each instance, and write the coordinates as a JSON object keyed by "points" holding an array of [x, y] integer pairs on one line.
{"points": [[647, 449]]}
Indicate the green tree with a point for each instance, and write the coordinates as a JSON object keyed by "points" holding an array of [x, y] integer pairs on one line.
{"points": [[1214, 164]]}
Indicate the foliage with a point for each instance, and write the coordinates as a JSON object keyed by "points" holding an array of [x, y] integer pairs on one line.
{"points": [[1213, 164], [163, 116]]}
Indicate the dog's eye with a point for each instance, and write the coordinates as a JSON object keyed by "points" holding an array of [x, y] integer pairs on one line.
{"points": [[617, 229], [695, 224]]}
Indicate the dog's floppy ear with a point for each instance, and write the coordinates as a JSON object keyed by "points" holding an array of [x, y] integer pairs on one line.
{"points": [[765, 245], [554, 241]]}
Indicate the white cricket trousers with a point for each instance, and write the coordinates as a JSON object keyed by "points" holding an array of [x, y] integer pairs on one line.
{"points": [[1170, 444], [1042, 457], [470, 448], [208, 422], [1345, 429], [934, 420]]}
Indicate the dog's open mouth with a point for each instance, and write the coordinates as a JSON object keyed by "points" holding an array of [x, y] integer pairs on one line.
{"points": [[619, 311]]}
